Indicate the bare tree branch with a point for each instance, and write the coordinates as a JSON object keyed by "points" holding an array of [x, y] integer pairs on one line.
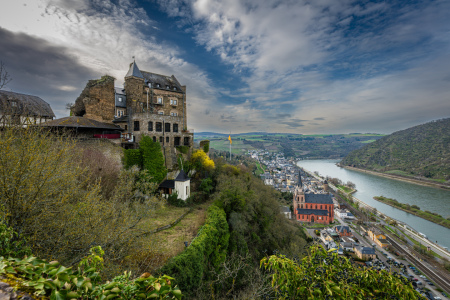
{"points": [[5, 78]]}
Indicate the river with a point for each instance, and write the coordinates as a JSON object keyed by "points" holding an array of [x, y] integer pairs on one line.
{"points": [[368, 185]]}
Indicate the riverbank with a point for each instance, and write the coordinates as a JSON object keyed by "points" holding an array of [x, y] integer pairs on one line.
{"points": [[435, 218], [401, 178]]}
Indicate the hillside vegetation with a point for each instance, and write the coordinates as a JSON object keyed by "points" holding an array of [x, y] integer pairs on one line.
{"points": [[422, 151]]}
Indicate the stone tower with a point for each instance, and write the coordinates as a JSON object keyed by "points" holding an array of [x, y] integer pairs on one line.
{"points": [[134, 86]]}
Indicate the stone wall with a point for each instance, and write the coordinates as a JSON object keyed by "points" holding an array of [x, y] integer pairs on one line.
{"points": [[97, 100]]}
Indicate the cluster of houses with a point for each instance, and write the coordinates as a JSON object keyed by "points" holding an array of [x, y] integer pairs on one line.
{"points": [[340, 239]]}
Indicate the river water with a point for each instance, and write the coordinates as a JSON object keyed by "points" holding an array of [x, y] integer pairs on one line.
{"points": [[368, 186]]}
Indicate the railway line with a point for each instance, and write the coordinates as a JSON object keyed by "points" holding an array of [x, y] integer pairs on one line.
{"points": [[442, 280]]}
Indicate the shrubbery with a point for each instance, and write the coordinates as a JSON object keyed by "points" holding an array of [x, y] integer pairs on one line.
{"points": [[208, 248], [325, 275]]}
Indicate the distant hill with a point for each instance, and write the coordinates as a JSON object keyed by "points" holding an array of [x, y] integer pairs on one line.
{"points": [[423, 151], [298, 146]]}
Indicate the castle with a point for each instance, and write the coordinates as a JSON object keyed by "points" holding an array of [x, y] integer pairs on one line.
{"points": [[149, 103], [315, 208]]}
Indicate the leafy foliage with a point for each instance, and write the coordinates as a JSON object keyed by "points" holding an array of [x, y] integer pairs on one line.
{"points": [[11, 244], [148, 157], [47, 198], [132, 157], [324, 275], [201, 161], [422, 150], [152, 158], [58, 282]]}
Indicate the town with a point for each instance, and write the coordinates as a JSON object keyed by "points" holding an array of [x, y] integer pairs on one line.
{"points": [[339, 230]]}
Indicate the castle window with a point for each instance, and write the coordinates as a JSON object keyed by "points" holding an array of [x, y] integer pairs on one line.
{"points": [[154, 139], [173, 102], [176, 141], [174, 114], [150, 126], [160, 112], [158, 126], [161, 140], [167, 139], [167, 127], [159, 100], [186, 141], [136, 125], [175, 127]]}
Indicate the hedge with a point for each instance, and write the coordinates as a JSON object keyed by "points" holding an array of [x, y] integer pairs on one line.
{"points": [[208, 248]]}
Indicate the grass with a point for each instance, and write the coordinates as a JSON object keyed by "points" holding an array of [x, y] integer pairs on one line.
{"points": [[368, 141], [170, 242]]}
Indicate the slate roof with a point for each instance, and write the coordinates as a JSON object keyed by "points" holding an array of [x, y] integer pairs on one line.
{"points": [[169, 183], [80, 122], [343, 228], [366, 250], [119, 91], [182, 176], [121, 119], [317, 212], [285, 209], [163, 81], [318, 198], [134, 71], [26, 104]]}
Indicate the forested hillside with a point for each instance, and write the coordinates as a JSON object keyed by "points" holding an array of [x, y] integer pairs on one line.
{"points": [[422, 151]]}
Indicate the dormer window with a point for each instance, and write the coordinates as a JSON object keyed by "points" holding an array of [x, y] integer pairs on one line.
{"points": [[150, 85], [120, 99], [167, 87], [157, 85], [174, 88]]}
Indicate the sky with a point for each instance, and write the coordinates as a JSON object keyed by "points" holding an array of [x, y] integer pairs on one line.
{"points": [[294, 66]]}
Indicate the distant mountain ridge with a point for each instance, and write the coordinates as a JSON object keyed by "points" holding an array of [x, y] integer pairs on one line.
{"points": [[422, 150]]}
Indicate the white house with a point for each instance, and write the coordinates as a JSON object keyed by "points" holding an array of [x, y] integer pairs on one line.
{"points": [[180, 185]]}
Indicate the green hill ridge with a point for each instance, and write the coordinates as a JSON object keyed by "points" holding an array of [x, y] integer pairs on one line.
{"points": [[419, 151]]}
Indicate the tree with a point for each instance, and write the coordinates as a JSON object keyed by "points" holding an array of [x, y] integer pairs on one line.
{"points": [[351, 185], [152, 159], [48, 198], [325, 275], [5, 78]]}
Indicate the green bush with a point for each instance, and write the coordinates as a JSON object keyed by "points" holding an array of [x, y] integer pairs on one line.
{"points": [[11, 244], [132, 157], [208, 248], [183, 149]]}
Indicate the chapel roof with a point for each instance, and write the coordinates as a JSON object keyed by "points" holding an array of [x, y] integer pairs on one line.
{"points": [[318, 198]]}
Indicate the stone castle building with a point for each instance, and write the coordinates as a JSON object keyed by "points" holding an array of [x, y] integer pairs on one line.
{"points": [[148, 104], [315, 208]]}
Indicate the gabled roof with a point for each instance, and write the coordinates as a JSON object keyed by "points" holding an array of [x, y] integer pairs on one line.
{"points": [[343, 228], [134, 71], [366, 250], [318, 198], [24, 105], [80, 122], [182, 176], [163, 81]]}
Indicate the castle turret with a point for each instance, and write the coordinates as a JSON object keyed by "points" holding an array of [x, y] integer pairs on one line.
{"points": [[134, 86]]}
